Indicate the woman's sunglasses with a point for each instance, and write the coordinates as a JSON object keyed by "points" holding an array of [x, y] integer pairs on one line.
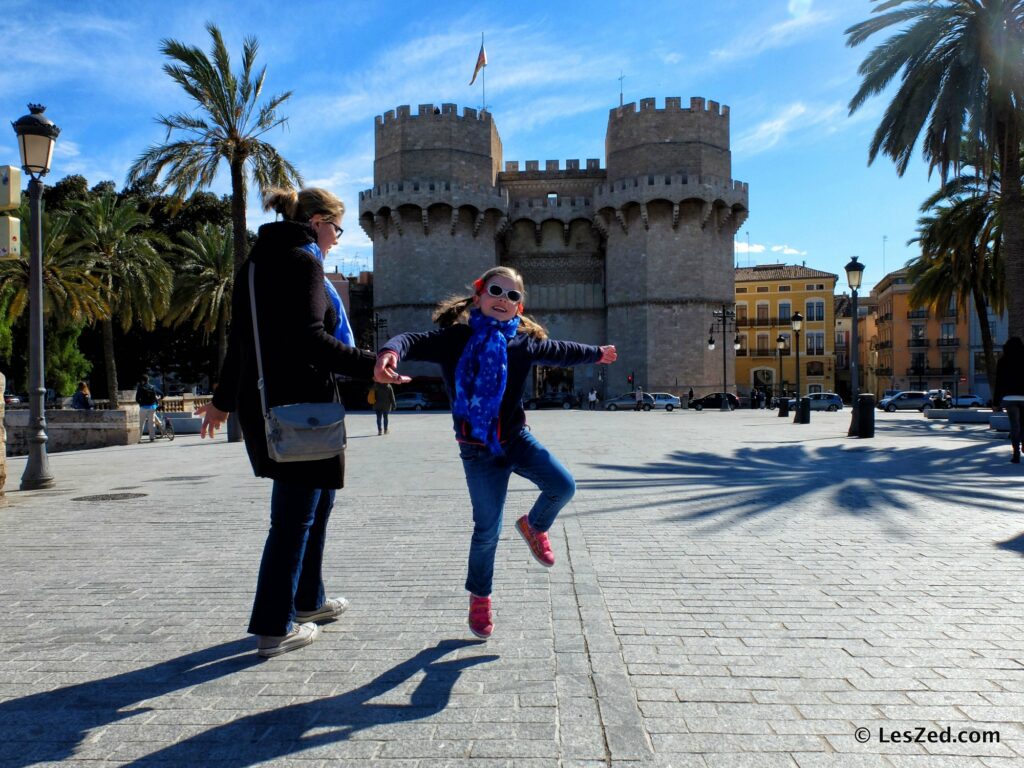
{"points": [[497, 292]]}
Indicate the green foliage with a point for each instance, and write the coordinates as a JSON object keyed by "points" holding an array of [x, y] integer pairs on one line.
{"points": [[65, 363], [202, 291]]}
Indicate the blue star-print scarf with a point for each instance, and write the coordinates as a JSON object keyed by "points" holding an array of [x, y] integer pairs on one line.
{"points": [[481, 375]]}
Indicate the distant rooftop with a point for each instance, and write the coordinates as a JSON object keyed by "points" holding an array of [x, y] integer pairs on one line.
{"points": [[778, 272]]}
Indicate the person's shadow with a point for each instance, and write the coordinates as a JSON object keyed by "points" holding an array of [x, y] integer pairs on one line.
{"points": [[280, 732], [48, 727]]}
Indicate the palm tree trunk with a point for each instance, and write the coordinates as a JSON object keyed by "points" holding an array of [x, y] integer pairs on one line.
{"points": [[241, 242], [986, 338], [1012, 213], [238, 203], [109, 364]]}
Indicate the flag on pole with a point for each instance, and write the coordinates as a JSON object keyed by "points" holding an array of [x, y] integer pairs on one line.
{"points": [[481, 62]]}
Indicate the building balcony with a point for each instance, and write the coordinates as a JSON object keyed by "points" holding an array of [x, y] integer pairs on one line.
{"points": [[925, 372], [883, 371], [741, 353], [949, 342], [918, 343], [883, 345], [917, 314], [885, 318], [760, 322]]}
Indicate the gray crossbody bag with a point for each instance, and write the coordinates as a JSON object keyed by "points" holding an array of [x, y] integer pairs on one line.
{"points": [[301, 431]]}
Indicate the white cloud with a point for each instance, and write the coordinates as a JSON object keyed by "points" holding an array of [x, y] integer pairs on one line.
{"points": [[741, 246], [779, 35], [799, 8], [787, 250], [798, 117]]}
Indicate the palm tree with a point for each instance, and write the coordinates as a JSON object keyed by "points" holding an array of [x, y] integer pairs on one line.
{"points": [[230, 129], [961, 252], [962, 64], [202, 290], [136, 281], [72, 295]]}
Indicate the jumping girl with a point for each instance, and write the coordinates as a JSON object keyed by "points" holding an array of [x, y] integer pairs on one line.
{"points": [[485, 362]]}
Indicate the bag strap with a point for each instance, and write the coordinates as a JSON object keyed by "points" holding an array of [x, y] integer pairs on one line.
{"points": [[256, 336]]}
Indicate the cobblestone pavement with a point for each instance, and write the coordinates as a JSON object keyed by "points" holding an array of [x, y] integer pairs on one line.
{"points": [[731, 590]]}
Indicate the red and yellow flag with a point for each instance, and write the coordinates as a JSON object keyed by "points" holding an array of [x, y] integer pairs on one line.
{"points": [[481, 62]]}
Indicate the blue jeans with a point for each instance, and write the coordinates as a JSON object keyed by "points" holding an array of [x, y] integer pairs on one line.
{"points": [[382, 416], [487, 477], [290, 571], [1013, 410]]}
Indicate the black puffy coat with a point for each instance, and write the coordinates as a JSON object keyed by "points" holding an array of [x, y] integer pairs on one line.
{"points": [[300, 354]]}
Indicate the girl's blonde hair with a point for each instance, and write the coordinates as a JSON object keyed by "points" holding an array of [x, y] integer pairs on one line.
{"points": [[456, 309], [300, 205]]}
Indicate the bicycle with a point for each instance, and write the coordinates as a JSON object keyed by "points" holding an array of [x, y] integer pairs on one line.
{"points": [[163, 426]]}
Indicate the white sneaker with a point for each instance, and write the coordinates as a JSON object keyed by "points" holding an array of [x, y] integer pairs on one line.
{"points": [[332, 608], [274, 645]]}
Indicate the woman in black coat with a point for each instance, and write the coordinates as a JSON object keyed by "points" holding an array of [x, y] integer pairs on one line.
{"points": [[1009, 392], [297, 315]]}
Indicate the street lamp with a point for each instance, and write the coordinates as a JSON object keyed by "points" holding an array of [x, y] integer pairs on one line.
{"points": [[36, 136], [379, 325], [780, 346], [727, 319], [797, 322], [854, 274]]}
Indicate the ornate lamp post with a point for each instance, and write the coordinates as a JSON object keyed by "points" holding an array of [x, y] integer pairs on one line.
{"points": [[727, 319], [854, 274], [36, 137], [780, 393], [797, 323], [379, 325]]}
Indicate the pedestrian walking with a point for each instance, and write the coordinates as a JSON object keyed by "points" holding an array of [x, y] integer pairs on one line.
{"points": [[383, 404], [148, 398], [298, 322], [485, 363], [1009, 392], [592, 399], [639, 398], [689, 397]]}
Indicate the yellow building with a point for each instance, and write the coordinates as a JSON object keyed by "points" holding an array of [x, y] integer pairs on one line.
{"points": [[767, 297], [916, 348]]}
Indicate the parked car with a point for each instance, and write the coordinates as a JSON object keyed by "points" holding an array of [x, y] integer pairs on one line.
{"points": [[665, 400], [555, 400], [627, 402], [713, 402], [968, 401], [905, 401], [821, 401], [11, 399], [411, 401]]}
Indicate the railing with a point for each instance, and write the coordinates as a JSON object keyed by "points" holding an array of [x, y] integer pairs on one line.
{"points": [[884, 345], [931, 371], [883, 371], [887, 317], [765, 352], [918, 343], [949, 342], [760, 322], [917, 314], [741, 353]]}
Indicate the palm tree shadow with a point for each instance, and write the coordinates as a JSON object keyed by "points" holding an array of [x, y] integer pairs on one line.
{"points": [[1016, 544], [858, 479], [48, 726], [280, 732]]}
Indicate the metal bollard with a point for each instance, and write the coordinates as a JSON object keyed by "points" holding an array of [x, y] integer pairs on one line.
{"points": [[803, 411], [865, 416], [784, 406]]}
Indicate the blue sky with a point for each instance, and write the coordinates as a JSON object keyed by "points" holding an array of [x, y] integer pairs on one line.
{"points": [[781, 65]]}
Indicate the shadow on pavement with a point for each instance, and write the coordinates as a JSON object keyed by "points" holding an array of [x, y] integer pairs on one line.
{"points": [[857, 478], [280, 732], [1016, 544], [47, 727]]}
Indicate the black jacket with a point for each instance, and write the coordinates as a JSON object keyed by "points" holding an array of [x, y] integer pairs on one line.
{"points": [[296, 319], [1009, 378], [445, 347]]}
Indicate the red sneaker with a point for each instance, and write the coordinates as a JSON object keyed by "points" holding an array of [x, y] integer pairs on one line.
{"points": [[540, 547], [480, 623]]}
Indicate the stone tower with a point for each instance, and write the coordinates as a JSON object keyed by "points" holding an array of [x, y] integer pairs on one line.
{"points": [[637, 254], [669, 211], [433, 211]]}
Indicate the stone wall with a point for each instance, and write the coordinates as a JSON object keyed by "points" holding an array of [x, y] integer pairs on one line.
{"points": [[71, 430], [3, 444]]}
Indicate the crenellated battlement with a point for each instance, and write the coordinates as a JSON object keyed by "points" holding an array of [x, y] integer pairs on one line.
{"points": [[668, 181], [552, 166], [673, 104], [431, 188], [449, 112]]}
